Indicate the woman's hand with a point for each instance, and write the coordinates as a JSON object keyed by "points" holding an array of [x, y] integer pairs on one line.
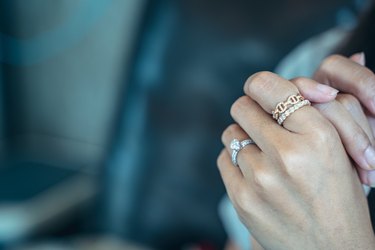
{"points": [[346, 114], [296, 188], [350, 76]]}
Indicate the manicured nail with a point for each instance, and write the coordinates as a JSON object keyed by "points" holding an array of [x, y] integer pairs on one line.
{"points": [[371, 178], [359, 58], [362, 58], [372, 103], [366, 188], [370, 156], [327, 90]]}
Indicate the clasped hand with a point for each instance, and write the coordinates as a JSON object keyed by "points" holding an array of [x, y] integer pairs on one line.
{"points": [[299, 185]]}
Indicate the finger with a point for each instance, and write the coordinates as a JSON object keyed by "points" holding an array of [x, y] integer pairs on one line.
{"points": [[314, 91], [350, 77], [352, 105], [359, 58], [247, 156], [353, 137], [232, 177], [257, 124], [268, 89]]}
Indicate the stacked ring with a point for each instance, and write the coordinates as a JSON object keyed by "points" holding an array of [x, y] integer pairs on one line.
{"points": [[281, 107], [286, 108]]}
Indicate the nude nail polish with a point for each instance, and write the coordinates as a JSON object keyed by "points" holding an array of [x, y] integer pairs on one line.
{"points": [[373, 104], [327, 90], [362, 58], [371, 178], [370, 157]]}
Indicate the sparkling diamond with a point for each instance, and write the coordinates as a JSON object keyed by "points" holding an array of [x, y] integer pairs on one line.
{"points": [[235, 145]]}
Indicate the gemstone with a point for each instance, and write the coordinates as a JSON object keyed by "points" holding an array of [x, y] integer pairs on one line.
{"points": [[235, 145]]}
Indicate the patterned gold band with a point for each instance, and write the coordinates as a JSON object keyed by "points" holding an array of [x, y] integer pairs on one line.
{"points": [[281, 107]]}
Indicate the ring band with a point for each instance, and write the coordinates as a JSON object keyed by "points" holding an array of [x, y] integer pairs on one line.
{"points": [[236, 147], [291, 110], [281, 107], [288, 107]]}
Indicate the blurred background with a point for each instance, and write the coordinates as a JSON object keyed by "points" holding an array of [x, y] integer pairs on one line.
{"points": [[111, 113]]}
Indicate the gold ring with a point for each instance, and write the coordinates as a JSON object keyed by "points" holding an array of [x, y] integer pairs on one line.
{"points": [[281, 107], [286, 108]]}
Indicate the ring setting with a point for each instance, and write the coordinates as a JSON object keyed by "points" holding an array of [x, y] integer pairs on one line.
{"points": [[236, 147]]}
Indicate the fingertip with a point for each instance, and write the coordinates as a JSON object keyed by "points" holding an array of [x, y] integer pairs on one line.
{"points": [[359, 58], [315, 91], [371, 178], [370, 157], [327, 90], [320, 94], [327, 93], [366, 189], [371, 105]]}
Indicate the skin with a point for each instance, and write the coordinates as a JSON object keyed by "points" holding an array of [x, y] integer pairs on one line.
{"points": [[361, 132], [323, 98], [291, 187], [352, 77]]}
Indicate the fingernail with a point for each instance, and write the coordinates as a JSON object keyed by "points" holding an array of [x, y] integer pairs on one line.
{"points": [[362, 58], [366, 188], [371, 178], [370, 156], [373, 105], [327, 90]]}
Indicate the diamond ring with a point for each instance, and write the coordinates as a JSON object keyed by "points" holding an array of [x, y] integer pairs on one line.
{"points": [[236, 146], [286, 108]]}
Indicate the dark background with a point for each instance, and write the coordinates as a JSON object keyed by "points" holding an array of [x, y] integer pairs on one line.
{"points": [[112, 111]]}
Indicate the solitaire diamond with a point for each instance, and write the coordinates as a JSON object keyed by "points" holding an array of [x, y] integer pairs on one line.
{"points": [[235, 145]]}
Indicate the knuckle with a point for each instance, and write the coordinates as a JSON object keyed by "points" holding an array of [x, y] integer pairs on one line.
{"points": [[299, 81], [233, 128], [261, 81], [241, 199], [349, 102], [264, 181], [289, 156], [239, 105], [241, 202], [229, 132], [366, 83], [331, 60]]}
